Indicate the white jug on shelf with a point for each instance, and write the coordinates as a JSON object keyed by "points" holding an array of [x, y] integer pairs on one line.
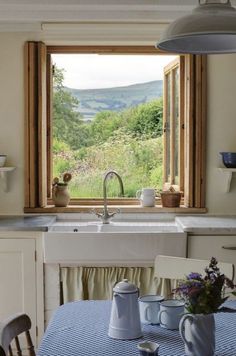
{"points": [[125, 318]]}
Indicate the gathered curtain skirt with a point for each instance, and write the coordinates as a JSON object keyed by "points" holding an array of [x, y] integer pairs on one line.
{"points": [[96, 283]]}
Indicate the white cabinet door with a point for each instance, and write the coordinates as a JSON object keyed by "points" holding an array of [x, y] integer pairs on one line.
{"points": [[204, 247], [17, 279]]}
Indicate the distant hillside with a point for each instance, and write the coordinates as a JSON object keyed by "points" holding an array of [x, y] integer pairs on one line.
{"points": [[93, 101]]}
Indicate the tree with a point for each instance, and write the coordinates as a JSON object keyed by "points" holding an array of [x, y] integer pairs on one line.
{"points": [[145, 119], [104, 125], [67, 122]]}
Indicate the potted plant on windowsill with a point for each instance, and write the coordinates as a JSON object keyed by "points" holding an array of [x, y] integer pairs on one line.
{"points": [[60, 194], [203, 296]]}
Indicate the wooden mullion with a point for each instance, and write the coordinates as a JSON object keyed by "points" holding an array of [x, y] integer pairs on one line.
{"points": [[165, 103], [203, 131], [49, 123], [105, 50], [198, 127], [42, 126], [33, 125], [189, 129], [181, 121], [172, 126], [26, 126], [199, 188]]}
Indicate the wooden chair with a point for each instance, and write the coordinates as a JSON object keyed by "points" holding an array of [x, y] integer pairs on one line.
{"points": [[173, 269], [10, 329]]}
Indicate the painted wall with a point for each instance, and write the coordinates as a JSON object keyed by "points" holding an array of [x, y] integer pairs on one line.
{"points": [[221, 130]]}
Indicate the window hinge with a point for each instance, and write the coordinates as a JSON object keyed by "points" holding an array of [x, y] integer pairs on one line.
{"points": [[53, 69], [35, 256], [182, 126], [37, 330]]}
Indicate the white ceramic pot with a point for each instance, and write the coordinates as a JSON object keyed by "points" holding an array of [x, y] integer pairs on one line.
{"points": [[2, 160], [146, 196], [198, 334], [60, 195], [125, 318]]}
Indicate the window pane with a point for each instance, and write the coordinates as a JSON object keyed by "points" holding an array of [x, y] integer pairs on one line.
{"points": [[176, 126], [167, 127], [107, 115]]}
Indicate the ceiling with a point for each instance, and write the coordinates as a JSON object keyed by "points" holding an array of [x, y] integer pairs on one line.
{"points": [[38, 11], [143, 15]]}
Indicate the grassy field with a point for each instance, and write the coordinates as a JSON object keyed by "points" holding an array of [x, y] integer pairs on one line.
{"points": [[138, 161]]}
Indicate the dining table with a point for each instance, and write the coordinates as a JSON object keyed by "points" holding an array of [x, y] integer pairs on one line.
{"points": [[80, 328]]}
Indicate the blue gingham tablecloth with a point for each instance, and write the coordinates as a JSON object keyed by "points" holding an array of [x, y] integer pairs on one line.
{"points": [[80, 329]]}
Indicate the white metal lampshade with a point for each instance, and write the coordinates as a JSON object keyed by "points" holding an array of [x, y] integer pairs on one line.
{"points": [[210, 28]]}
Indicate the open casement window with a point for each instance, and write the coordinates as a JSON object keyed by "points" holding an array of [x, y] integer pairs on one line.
{"points": [[184, 128], [173, 125]]}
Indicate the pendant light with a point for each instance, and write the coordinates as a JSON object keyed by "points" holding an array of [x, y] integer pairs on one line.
{"points": [[209, 28]]}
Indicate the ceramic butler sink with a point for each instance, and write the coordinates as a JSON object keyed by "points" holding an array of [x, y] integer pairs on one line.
{"points": [[114, 227], [117, 243]]}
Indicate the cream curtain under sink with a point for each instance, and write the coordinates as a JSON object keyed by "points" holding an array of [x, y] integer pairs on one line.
{"points": [[97, 282]]}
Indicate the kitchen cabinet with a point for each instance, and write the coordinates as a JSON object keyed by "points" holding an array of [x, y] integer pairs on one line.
{"points": [[21, 278], [223, 247]]}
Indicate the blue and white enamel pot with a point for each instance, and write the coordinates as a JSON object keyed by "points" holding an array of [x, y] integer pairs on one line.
{"points": [[125, 318]]}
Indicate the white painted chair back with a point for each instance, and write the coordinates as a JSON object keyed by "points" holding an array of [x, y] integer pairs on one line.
{"points": [[178, 267]]}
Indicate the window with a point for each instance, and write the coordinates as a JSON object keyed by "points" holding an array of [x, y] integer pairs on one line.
{"points": [[173, 125], [183, 128]]}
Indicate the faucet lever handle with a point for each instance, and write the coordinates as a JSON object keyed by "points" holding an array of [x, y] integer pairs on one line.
{"points": [[93, 211], [114, 213]]}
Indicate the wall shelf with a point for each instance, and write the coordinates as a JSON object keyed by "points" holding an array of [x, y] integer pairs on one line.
{"points": [[228, 173], [4, 171]]}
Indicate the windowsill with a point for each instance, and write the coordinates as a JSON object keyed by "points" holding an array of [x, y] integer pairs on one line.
{"points": [[123, 209]]}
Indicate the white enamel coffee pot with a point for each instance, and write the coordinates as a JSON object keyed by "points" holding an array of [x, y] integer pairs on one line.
{"points": [[125, 318]]}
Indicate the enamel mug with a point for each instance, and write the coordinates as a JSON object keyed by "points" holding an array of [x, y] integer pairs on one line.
{"points": [[171, 311], [149, 306]]}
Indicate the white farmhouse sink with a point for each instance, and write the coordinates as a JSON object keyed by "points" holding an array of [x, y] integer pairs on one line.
{"points": [[117, 227], [118, 243]]}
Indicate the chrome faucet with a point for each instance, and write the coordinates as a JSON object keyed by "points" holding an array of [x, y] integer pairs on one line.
{"points": [[105, 215]]}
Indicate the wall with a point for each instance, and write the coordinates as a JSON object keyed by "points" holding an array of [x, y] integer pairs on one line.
{"points": [[220, 131]]}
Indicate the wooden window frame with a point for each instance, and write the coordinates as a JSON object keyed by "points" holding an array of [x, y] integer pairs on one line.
{"points": [[38, 136], [169, 71]]}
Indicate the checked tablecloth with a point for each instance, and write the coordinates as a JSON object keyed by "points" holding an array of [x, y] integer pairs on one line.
{"points": [[80, 329]]}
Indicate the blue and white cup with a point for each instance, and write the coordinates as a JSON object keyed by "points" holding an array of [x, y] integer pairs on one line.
{"points": [[149, 307], [171, 311], [148, 348]]}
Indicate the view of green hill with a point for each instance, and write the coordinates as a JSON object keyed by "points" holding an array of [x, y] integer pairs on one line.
{"points": [[93, 101], [122, 133]]}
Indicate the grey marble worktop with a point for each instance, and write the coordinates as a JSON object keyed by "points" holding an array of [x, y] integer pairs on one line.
{"points": [[26, 223], [194, 224], [207, 224]]}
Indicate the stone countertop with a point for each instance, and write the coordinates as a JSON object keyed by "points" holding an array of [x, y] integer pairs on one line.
{"points": [[26, 223], [209, 225], [198, 224]]}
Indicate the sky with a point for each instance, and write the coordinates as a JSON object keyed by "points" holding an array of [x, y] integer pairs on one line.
{"points": [[90, 71]]}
